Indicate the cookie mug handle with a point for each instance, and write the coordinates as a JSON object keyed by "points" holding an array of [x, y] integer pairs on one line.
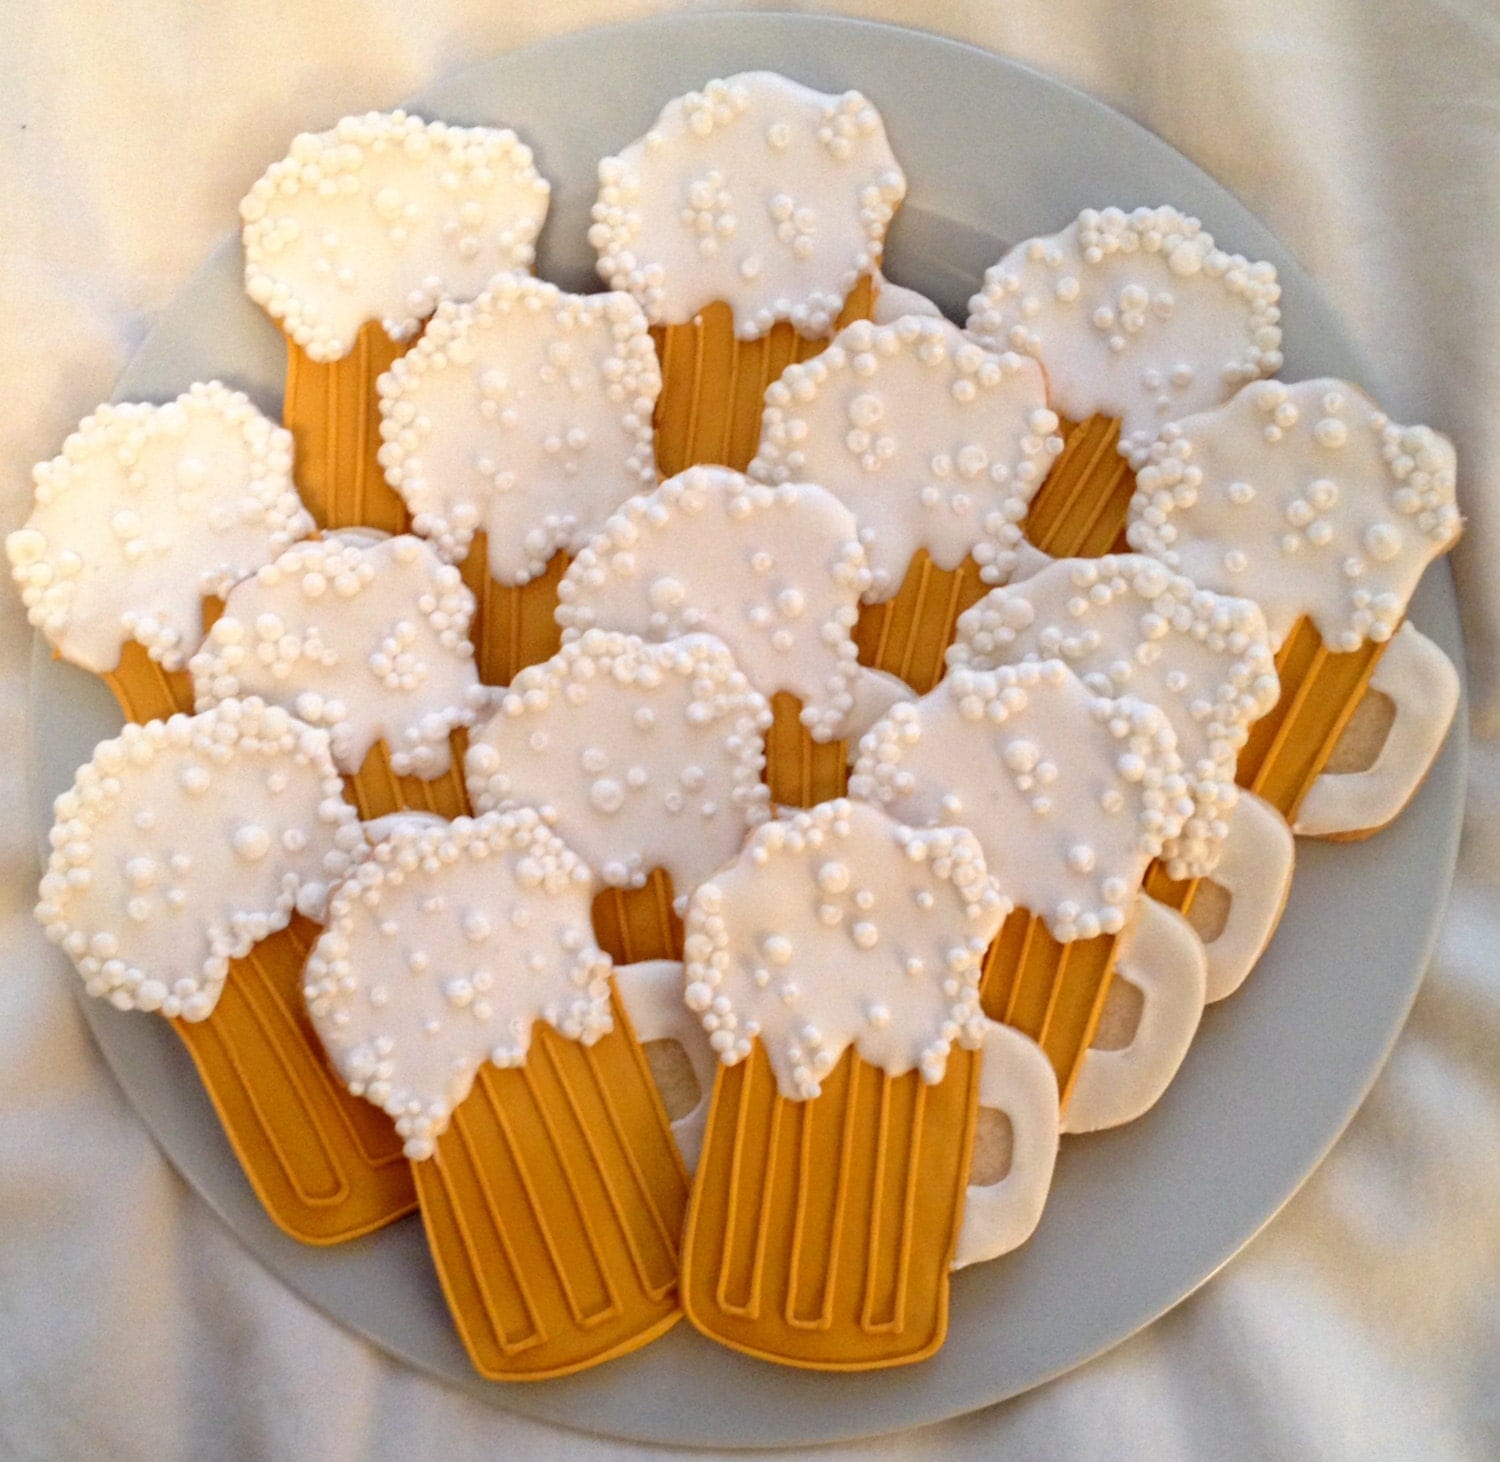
{"points": [[1162, 956], [1016, 1079], [1423, 686], [651, 990], [1255, 870]]}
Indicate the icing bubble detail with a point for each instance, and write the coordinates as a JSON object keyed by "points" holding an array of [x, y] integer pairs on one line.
{"points": [[1339, 524], [121, 546], [1128, 626], [385, 656], [1096, 773], [931, 442], [524, 414], [774, 572], [382, 217], [445, 945], [1138, 316], [756, 191], [843, 981], [677, 789], [153, 908]]}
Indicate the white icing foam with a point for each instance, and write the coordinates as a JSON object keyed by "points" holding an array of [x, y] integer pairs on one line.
{"points": [[1305, 497], [1138, 316], [365, 635], [875, 692], [183, 843], [526, 415], [377, 829], [1126, 625], [640, 755], [932, 441], [147, 510], [1071, 795], [1029, 560], [444, 947], [380, 218], [755, 191], [837, 927], [774, 572], [893, 301]]}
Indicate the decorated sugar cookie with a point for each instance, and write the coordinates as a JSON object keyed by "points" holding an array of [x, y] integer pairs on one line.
{"points": [[445, 945], [147, 511], [526, 415], [1138, 316], [774, 572], [362, 634], [183, 843], [380, 218], [458, 987], [836, 965], [1307, 498], [756, 191], [1070, 794], [839, 927], [1127, 626], [932, 441], [640, 755]]}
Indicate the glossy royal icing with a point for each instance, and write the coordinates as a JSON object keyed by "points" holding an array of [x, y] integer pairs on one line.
{"points": [[445, 945], [381, 217], [1306, 497], [365, 635], [524, 414], [1127, 625], [146, 511], [836, 927], [932, 441], [1071, 795], [183, 843], [774, 572], [1138, 316], [756, 191], [639, 755]]}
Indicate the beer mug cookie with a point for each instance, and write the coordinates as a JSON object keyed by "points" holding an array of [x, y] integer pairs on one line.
{"points": [[748, 222], [1127, 625], [1071, 795], [1310, 500], [189, 862], [458, 987], [835, 966], [147, 512]]}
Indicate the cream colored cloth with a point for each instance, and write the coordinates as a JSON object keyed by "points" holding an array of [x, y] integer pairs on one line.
{"points": [[1364, 1323]]}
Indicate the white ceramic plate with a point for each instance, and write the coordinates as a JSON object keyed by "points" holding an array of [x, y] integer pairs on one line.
{"points": [[1139, 1217]]}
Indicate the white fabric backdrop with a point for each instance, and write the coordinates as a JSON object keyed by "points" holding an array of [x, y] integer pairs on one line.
{"points": [[1365, 1322]]}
